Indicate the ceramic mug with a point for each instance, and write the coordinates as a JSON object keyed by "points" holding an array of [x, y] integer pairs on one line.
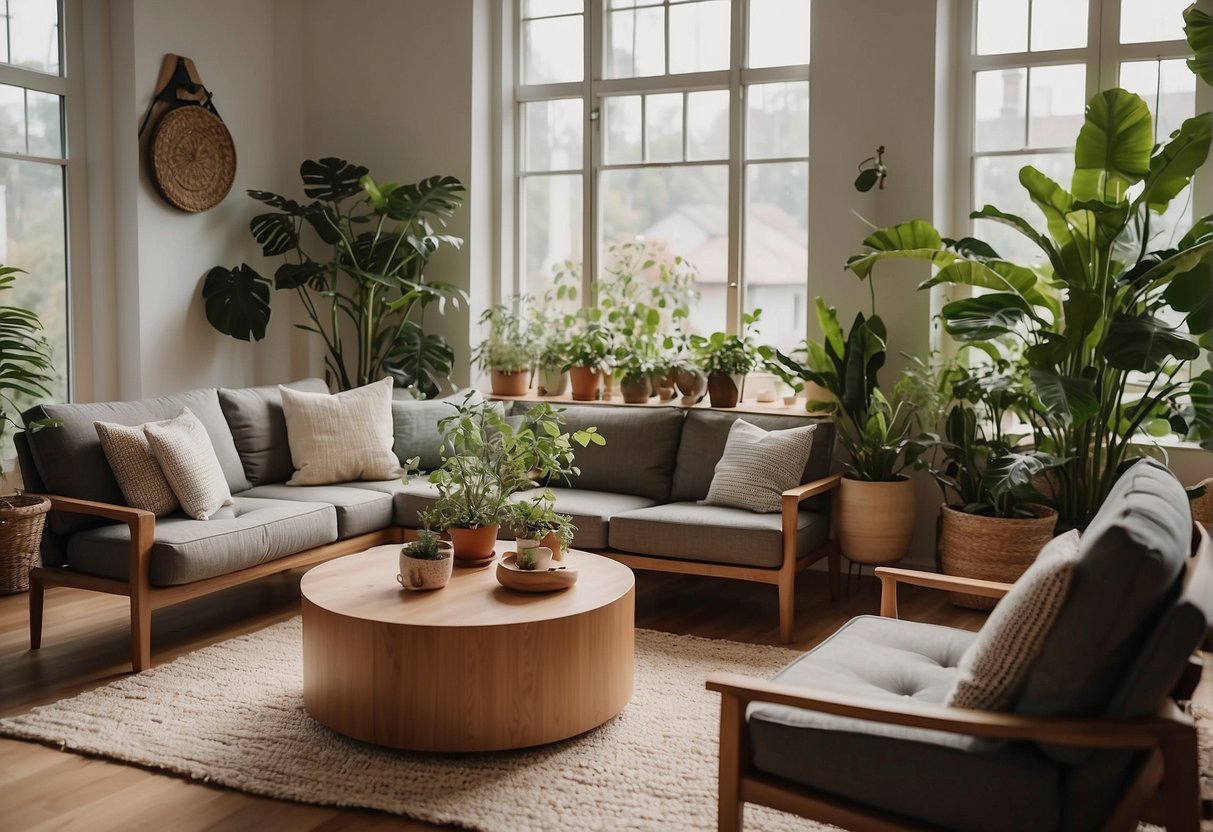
{"points": [[424, 574]]}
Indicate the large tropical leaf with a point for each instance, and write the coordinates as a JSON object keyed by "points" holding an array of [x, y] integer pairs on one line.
{"points": [[273, 200], [1113, 148], [325, 222], [420, 359], [1198, 26], [1144, 344], [331, 179], [994, 275], [436, 197], [1015, 473], [1201, 393], [1180, 262], [237, 301], [1053, 201], [1172, 167], [985, 317], [275, 233], [916, 239], [1069, 399], [294, 275], [1192, 294]]}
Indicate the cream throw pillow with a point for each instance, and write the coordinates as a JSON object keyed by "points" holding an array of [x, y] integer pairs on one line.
{"points": [[757, 466], [135, 468], [187, 458], [994, 667], [340, 437]]}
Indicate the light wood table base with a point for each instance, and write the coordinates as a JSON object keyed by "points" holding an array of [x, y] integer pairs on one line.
{"points": [[470, 667]]}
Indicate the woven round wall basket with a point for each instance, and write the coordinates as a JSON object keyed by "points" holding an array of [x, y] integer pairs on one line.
{"points": [[991, 548], [193, 158], [21, 520]]}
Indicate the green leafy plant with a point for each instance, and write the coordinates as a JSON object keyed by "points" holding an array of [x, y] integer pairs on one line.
{"points": [[428, 546], [635, 367], [536, 517], [1198, 26], [724, 354], [366, 295], [590, 346], [510, 346], [1096, 323], [25, 360], [488, 458]]}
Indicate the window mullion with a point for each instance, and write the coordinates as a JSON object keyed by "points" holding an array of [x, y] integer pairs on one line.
{"points": [[592, 33], [734, 293]]}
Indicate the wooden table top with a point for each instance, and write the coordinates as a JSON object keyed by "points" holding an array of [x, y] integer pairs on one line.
{"points": [[364, 586]]}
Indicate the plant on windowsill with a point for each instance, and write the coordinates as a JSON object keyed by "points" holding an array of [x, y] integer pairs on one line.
{"points": [[508, 352], [726, 359], [536, 523], [426, 563], [589, 356], [366, 296], [635, 372]]}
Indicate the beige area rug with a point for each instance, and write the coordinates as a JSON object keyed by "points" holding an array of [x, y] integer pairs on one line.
{"points": [[232, 714]]}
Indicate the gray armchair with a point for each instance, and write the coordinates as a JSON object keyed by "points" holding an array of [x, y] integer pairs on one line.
{"points": [[856, 732]]}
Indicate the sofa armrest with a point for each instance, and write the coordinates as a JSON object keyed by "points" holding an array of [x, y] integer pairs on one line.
{"points": [[141, 522], [790, 507], [890, 577]]}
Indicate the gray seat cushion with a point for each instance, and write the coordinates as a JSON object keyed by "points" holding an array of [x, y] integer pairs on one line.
{"points": [[714, 534], [258, 427], [591, 512], [414, 496], [705, 433], [359, 510], [638, 457], [71, 463], [246, 533], [910, 772]]}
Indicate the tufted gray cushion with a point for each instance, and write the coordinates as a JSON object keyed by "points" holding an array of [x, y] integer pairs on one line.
{"points": [[246, 533], [359, 510], [258, 427], [714, 534]]}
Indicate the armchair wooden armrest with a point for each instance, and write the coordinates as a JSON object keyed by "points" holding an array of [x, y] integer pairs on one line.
{"points": [[796, 496], [890, 577]]}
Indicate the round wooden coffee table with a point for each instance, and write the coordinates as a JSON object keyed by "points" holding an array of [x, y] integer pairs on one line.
{"points": [[469, 667]]}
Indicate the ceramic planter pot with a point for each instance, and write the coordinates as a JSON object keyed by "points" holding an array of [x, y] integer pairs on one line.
{"points": [[426, 573], [553, 381], [875, 519], [510, 383], [724, 390], [551, 541], [585, 383], [533, 557], [473, 546], [991, 548], [692, 383], [635, 390]]}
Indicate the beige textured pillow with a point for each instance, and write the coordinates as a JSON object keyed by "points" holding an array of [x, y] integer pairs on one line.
{"points": [[994, 667], [340, 437], [757, 466], [135, 468], [187, 458]]}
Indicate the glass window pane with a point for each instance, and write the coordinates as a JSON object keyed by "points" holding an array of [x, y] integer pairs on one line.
{"points": [[699, 36], [549, 8], [12, 119], [777, 120], [635, 43], [631, 4], [551, 50], [45, 121], [33, 34], [1058, 104], [1143, 21], [1002, 26], [776, 253], [680, 211], [622, 115], [1000, 103], [1176, 84], [996, 182], [707, 125], [663, 127], [1059, 24], [553, 134], [551, 223], [779, 32]]}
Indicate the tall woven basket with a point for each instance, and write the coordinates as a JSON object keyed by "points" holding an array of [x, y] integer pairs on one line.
{"points": [[991, 548], [21, 520]]}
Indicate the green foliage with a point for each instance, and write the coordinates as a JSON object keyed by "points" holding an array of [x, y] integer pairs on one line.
{"points": [[1094, 322], [1198, 26], [511, 345], [427, 546], [726, 354], [25, 359], [366, 295], [534, 518], [589, 346]]}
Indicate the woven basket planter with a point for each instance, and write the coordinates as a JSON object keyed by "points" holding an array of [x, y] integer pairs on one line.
{"points": [[875, 520], [21, 520], [991, 548]]}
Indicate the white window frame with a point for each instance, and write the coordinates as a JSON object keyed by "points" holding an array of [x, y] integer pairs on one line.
{"points": [[592, 89]]}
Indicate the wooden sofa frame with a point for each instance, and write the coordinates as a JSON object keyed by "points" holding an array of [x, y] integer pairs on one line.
{"points": [[1165, 790]]}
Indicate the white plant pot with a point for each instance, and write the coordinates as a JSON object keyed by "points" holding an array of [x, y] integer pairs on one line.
{"points": [[424, 573], [529, 551]]}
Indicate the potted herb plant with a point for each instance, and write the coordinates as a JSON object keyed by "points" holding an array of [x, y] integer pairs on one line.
{"points": [[553, 356], [635, 372], [426, 563], [509, 350], [726, 359], [589, 351], [537, 525]]}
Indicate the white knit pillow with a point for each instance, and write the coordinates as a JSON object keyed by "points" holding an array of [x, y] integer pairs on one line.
{"points": [[758, 466], [994, 667], [187, 458], [135, 468], [341, 437]]}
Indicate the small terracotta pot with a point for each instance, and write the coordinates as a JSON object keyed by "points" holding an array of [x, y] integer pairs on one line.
{"points": [[474, 546], [724, 390], [635, 390], [585, 383], [507, 383]]}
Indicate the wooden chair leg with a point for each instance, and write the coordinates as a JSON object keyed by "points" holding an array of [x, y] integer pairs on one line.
{"points": [[730, 808], [787, 605], [833, 559], [141, 632], [37, 599], [1181, 782]]}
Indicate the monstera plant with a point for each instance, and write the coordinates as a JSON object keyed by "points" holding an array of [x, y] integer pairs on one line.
{"points": [[1111, 321], [366, 294]]}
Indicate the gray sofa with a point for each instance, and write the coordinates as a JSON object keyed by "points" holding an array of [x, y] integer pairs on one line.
{"points": [[635, 501]]}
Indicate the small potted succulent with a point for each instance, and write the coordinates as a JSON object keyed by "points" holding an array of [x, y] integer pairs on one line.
{"points": [[509, 351], [426, 563], [537, 525]]}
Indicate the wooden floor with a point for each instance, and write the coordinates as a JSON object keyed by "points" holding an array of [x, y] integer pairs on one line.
{"points": [[85, 645]]}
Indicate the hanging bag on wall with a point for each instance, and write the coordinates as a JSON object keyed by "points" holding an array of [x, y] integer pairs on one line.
{"points": [[191, 156]]}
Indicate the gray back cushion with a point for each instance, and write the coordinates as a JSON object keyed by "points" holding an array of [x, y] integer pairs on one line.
{"points": [[1130, 561], [258, 427], [638, 457], [415, 425], [704, 435], [71, 463]]}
